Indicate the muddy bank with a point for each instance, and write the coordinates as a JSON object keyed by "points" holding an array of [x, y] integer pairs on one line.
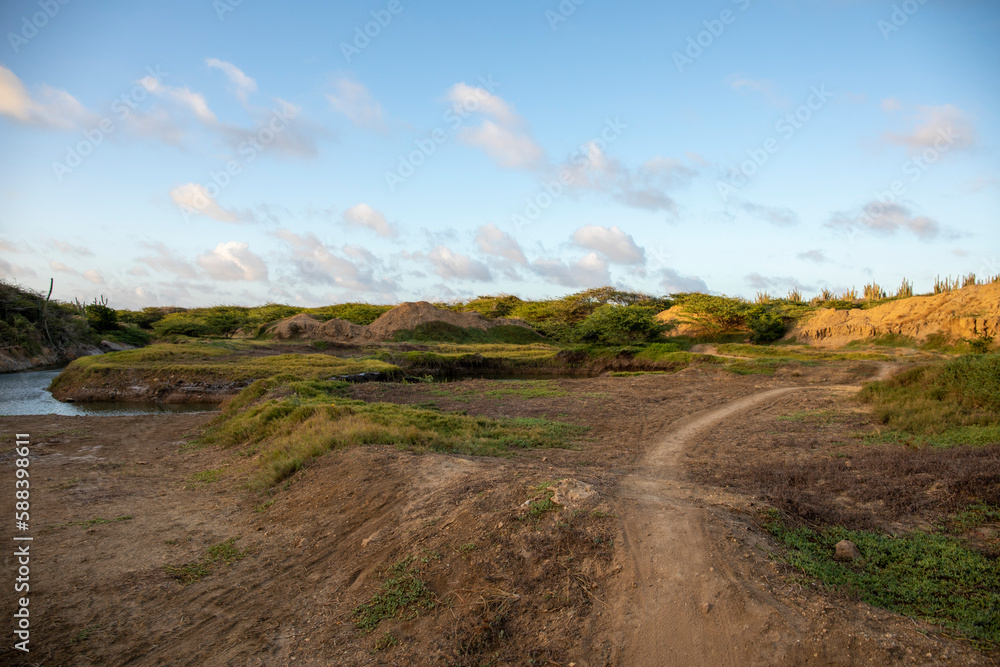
{"points": [[136, 387]]}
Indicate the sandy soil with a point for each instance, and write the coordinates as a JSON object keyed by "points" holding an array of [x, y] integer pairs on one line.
{"points": [[662, 567]]}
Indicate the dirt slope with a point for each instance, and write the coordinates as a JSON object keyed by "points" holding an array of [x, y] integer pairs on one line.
{"points": [[963, 313]]}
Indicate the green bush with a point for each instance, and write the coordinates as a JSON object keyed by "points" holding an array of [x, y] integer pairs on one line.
{"points": [[359, 313], [620, 325], [181, 324], [766, 326], [101, 318]]}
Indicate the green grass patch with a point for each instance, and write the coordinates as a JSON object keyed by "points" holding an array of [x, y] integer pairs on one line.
{"points": [[207, 476], [169, 362], [927, 576], [797, 353], [224, 553], [884, 340], [286, 422], [941, 405], [754, 366], [403, 595]]}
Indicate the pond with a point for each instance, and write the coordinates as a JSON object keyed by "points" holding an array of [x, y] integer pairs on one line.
{"points": [[28, 394]]}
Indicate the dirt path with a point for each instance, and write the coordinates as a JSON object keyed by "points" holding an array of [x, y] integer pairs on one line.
{"points": [[689, 607], [692, 605]]}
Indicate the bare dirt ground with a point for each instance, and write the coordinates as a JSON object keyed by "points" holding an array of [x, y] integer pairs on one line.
{"points": [[665, 567]]}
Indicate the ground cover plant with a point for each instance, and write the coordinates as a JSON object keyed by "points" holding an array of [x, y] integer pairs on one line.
{"points": [[930, 576], [282, 423]]}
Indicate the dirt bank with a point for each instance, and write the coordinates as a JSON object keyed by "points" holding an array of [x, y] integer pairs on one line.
{"points": [[965, 313]]}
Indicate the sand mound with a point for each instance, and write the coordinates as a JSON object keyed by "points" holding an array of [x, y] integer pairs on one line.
{"points": [[963, 313], [307, 327], [342, 330], [299, 326], [411, 315]]}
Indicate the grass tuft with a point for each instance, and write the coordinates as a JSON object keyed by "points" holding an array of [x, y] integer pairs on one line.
{"points": [[403, 594]]}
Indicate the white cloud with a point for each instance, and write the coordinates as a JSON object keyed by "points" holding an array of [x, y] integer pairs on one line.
{"points": [[194, 198], [491, 240], [673, 282], [452, 265], [779, 217], [165, 260], [813, 256], [942, 128], [195, 102], [364, 215], [70, 249], [611, 242], [244, 84], [94, 276], [886, 219], [233, 261], [53, 108], [356, 102], [588, 271], [590, 169], [502, 134], [891, 105], [318, 263], [765, 87]]}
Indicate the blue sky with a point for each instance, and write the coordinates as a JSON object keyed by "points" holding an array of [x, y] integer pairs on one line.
{"points": [[201, 152]]}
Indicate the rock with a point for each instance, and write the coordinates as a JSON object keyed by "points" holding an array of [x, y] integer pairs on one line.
{"points": [[846, 551], [568, 492]]}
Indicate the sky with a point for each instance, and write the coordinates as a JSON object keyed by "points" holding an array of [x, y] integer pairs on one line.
{"points": [[205, 152]]}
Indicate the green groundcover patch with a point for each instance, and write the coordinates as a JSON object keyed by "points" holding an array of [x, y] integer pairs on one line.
{"points": [[933, 577]]}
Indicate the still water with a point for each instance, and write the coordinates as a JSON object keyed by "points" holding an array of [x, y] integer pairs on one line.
{"points": [[28, 394]]}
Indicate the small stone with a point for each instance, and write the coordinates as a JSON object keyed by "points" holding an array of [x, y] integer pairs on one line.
{"points": [[846, 551], [706, 607]]}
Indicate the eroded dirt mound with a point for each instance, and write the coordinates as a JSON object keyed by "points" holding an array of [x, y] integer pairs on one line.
{"points": [[964, 313], [307, 327], [409, 316], [299, 326]]}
